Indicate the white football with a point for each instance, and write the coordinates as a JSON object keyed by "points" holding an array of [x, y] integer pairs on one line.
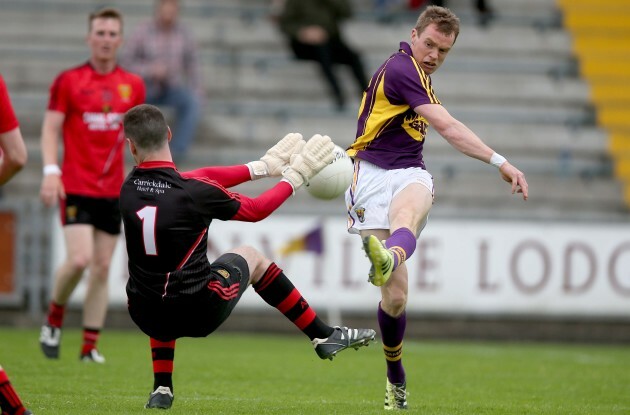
{"points": [[334, 179]]}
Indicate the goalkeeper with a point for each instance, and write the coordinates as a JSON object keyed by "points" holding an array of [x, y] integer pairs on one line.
{"points": [[173, 290]]}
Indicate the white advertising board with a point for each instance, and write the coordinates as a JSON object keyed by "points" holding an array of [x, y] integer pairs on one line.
{"points": [[464, 267]]}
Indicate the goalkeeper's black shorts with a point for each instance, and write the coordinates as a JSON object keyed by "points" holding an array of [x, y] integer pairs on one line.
{"points": [[195, 315]]}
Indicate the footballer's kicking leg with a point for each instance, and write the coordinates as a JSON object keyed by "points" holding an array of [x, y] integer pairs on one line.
{"points": [[276, 289], [388, 249]]}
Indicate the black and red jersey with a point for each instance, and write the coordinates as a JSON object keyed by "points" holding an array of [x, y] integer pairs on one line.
{"points": [[166, 215]]}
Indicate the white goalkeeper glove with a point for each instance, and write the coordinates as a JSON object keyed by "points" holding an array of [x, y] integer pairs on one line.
{"points": [[316, 154], [277, 157]]}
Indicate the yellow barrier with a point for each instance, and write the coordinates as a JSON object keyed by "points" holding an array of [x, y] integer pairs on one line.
{"points": [[619, 143], [614, 117], [608, 94], [602, 70], [601, 42], [593, 4]]}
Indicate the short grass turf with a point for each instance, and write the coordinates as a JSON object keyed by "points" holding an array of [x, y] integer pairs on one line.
{"points": [[230, 373]]}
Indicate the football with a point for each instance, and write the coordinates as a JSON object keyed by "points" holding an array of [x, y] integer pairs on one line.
{"points": [[334, 179]]}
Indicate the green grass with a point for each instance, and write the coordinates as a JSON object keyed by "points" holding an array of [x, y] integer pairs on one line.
{"points": [[273, 374]]}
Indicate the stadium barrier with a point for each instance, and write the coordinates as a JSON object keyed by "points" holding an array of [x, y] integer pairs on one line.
{"points": [[476, 268]]}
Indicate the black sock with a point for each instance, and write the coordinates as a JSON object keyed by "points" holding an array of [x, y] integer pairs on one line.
{"points": [[277, 290], [163, 354]]}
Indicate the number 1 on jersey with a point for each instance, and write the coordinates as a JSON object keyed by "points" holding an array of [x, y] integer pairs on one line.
{"points": [[148, 215]]}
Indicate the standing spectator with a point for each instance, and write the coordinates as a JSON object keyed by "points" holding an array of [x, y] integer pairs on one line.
{"points": [[313, 30], [12, 148], [485, 13], [12, 158], [164, 52], [392, 192], [86, 107], [173, 290]]}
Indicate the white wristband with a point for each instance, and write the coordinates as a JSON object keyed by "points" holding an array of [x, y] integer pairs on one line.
{"points": [[257, 169], [290, 184], [497, 160], [52, 169]]}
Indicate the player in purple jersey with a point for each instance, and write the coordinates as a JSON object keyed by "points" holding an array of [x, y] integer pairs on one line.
{"points": [[390, 197], [173, 290]]}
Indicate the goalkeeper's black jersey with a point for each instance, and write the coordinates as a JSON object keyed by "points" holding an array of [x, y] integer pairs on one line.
{"points": [[166, 216]]}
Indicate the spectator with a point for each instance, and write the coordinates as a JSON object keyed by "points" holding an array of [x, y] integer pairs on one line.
{"points": [[164, 52], [312, 28], [386, 9], [484, 12], [86, 107]]}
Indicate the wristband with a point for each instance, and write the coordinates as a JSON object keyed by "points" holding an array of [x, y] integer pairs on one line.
{"points": [[257, 169], [52, 169], [284, 179], [497, 160]]}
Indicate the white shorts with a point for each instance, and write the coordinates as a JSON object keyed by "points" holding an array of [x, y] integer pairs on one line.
{"points": [[372, 190]]}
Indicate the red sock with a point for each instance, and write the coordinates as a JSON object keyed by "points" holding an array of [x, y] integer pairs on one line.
{"points": [[277, 290], [55, 314], [90, 338], [163, 355], [10, 402]]}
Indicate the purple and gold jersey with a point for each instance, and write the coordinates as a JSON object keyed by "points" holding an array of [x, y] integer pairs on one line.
{"points": [[389, 132]]}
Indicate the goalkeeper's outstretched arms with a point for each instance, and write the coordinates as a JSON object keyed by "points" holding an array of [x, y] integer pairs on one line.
{"points": [[313, 156], [271, 164]]}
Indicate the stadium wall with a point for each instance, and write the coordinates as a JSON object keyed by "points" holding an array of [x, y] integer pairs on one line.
{"points": [[510, 280]]}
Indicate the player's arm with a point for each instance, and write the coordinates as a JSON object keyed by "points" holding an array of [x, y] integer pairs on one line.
{"points": [[271, 164], [52, 187], [258, 208], [314, 155], [466, 141], [13, 155], [226, 176]]}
